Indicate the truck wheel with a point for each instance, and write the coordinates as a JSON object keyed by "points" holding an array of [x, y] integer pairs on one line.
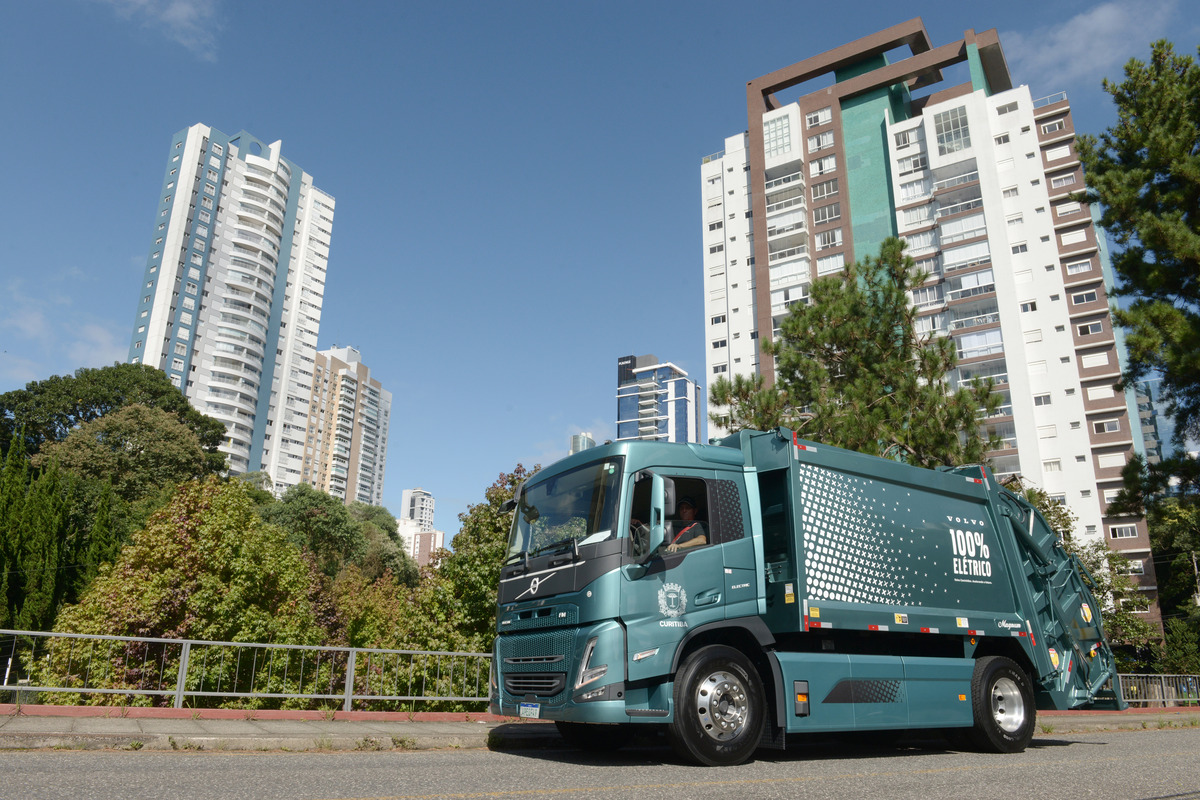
{"points": [[1002, 700], [584, 736], [719, 709]]}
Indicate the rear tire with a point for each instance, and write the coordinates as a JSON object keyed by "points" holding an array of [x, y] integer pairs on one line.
{"points": [[1002, 701], [585, 736], [719, 708]]}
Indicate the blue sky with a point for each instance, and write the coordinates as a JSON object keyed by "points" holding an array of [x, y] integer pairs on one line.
{"points": [[517, 183]]}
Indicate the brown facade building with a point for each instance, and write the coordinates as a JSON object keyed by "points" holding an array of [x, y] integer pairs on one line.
{"points": [[894, 135]]}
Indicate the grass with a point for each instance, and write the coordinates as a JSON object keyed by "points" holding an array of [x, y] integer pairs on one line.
{"points": [[1046, 727]]}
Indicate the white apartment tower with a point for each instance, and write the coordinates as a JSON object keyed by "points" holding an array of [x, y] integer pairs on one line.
{"points": [[980, 179], [347, 428], [231, 302], [417, 505]]}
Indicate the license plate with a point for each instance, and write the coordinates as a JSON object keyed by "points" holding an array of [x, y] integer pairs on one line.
{"points": [[531, 710]]}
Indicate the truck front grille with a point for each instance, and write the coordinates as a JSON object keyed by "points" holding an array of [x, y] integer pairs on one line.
{"points": [[539, 684]]}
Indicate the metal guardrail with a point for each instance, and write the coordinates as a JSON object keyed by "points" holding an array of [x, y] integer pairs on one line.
{"points": [[87, 669], [80, 668], [1160, 691]]}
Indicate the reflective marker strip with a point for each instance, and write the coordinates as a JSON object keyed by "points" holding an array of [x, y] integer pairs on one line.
{"points": [[877, 627], [929, 630]]}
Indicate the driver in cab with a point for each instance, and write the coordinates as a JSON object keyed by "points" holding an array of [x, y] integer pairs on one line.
{"points": [[686, 531]]}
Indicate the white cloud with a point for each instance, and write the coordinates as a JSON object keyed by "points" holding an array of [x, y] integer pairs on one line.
{"points": [[191, 23], [94, 345], [1090, 46]]}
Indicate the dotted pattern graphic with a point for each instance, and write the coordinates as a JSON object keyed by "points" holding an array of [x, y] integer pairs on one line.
{"points": [[726, 511], [864, 543], [865, 691]]}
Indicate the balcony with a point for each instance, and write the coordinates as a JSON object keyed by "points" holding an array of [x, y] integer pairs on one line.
{"points": [[796, 178], [957, 180], [975, 321], [788, 254], [973, 291], [958, 208]]}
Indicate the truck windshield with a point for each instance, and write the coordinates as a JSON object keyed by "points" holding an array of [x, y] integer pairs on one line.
{"points": [[561, 511]]}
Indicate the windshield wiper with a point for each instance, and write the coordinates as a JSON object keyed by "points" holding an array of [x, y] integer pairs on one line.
{"points": [[570, 542]]}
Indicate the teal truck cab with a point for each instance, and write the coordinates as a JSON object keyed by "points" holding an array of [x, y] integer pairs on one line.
{"points": [[807, 589]]}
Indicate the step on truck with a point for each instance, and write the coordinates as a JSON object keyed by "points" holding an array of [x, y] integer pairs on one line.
{"points": [[764, 586]]}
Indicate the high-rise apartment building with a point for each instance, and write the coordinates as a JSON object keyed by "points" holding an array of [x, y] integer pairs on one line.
{"points": [[581, 441], [416, 529], [231, 302], [348, 418], [981, 180], [656, 401], [417, 504]]}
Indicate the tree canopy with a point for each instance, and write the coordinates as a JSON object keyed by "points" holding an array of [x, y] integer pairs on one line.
{"points": [[138, 448], [852, 371], [48, 410], [206, 567]]}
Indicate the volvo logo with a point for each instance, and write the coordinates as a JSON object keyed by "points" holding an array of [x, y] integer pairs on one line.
{"points": [[534, 584]]}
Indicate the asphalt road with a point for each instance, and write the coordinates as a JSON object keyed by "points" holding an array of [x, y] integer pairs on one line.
{"points": [[1124, 764]]}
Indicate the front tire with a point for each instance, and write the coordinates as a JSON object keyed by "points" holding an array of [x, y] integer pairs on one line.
{"points": [[1002, 700], [719, 708]]}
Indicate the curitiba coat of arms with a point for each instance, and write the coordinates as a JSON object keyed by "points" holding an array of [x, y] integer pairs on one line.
{"points": [[672, 600]]}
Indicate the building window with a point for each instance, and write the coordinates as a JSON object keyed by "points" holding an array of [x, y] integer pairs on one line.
{"points": [[821, 141], [918, 215], [1053, 465], [716, 248], [1106, 426], [719, 343], [1020, 248], [827, 265], [1062, 180], [717, 320], [914, 190], [952, 131], [927, 296], [828, 239], [1029, 305], [1047, 431], [1081, 298], [1111, 461], [1064, 209], [1007, 108], [177, 364], [1090, 328], [1122, 531], [716, 226], [825, 189], [827, 213], [719, 368], [1002, 139], [821, 116], [822, 166], [1041, 399], [777, 136], [1051, 127], [1076, 267], [907, 166]]}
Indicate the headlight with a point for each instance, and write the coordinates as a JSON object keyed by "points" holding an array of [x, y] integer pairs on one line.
{"points": [[588, 673]]}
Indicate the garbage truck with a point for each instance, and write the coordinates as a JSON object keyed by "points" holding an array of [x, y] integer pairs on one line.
{"points": [[763, 586]]}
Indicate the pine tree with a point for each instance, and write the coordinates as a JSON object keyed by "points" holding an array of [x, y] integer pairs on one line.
{"points": [[862, 377]]}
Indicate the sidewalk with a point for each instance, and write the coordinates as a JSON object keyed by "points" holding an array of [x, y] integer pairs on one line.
{"points": [[85, 728]]}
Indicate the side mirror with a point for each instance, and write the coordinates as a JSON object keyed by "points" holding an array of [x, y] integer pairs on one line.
{"points": [[662, 503]]}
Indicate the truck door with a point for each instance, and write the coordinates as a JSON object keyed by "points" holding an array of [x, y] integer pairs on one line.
{"points": [[680, 587]]}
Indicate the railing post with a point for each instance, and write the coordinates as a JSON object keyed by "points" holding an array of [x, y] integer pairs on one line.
{"points": [[181, 680], [349, 680]]}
